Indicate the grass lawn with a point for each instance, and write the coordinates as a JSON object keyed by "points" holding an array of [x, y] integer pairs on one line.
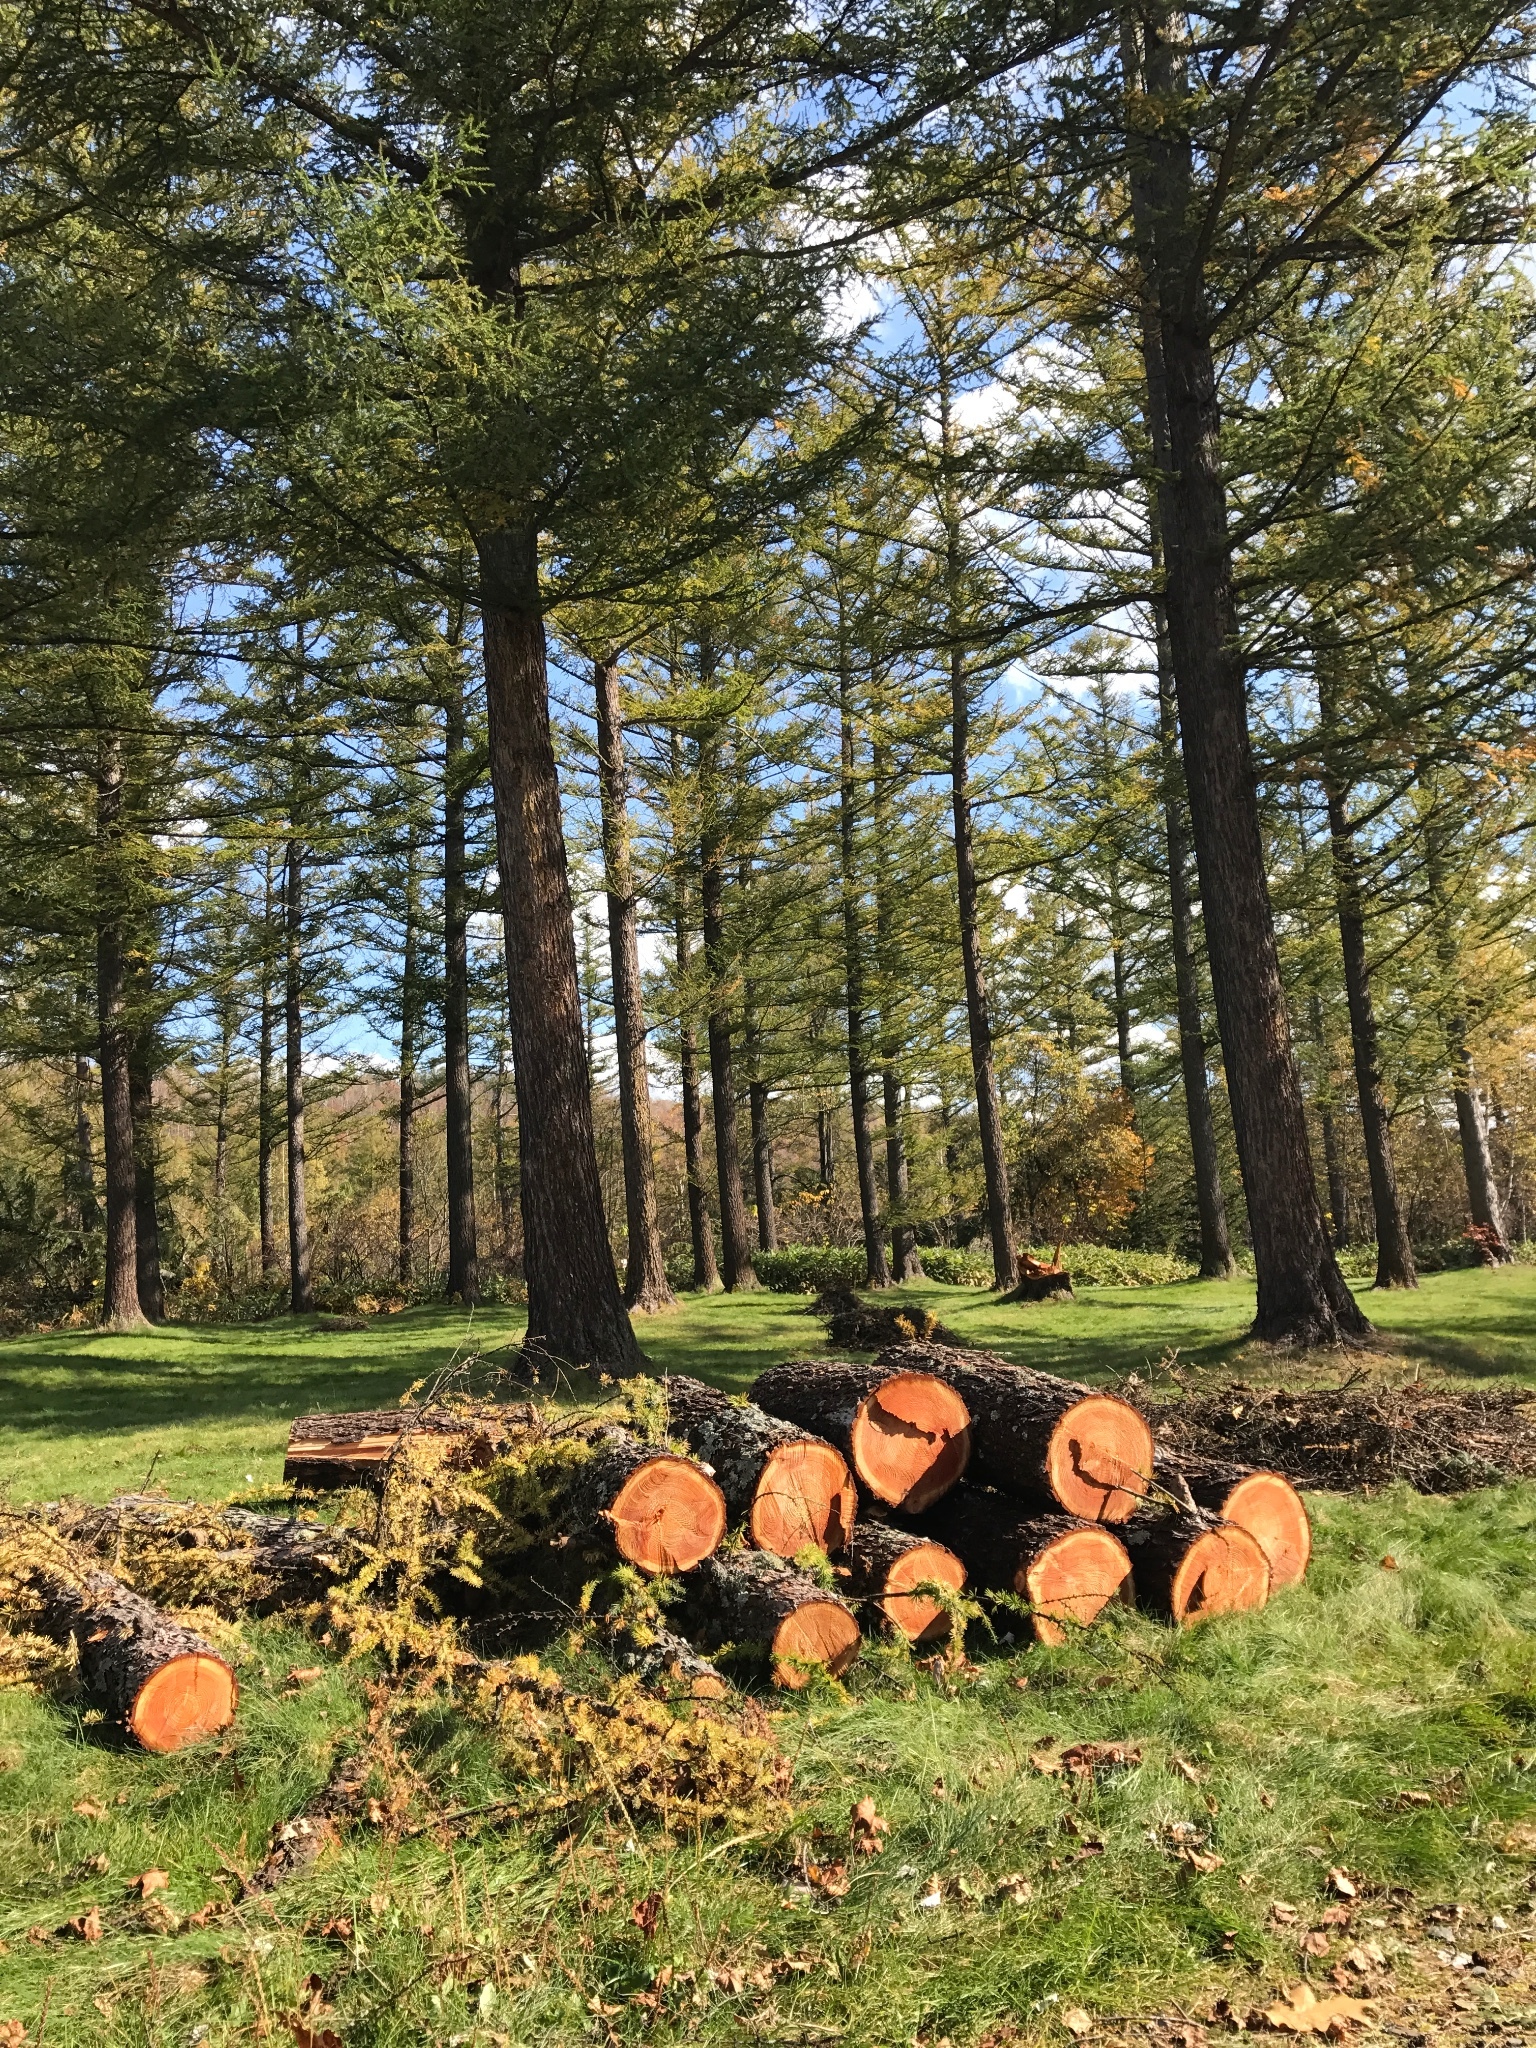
{"points": [[1379, 1720]]}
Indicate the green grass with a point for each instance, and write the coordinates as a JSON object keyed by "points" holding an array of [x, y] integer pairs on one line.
{"points": [[1305, 1726]]}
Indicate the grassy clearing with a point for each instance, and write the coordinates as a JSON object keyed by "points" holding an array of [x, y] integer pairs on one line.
{"points": [[1306, 1729]]}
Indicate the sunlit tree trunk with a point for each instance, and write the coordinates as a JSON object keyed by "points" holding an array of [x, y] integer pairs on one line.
{"points": [[300, 1289]]}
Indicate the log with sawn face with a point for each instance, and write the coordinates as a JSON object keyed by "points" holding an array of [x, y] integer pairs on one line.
{"points": [[789, 1488], [906, 1434]]}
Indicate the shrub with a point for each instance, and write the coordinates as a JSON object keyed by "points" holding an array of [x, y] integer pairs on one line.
{"points": [[953, 1268], [808, 1268]]}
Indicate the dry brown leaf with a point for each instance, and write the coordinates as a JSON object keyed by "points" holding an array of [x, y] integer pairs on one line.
{"points": [[98, 1866], [1366, 1957], [1077, 2022], [866, 1826], [12, 2034], [149, 1881], [339, 1929], [90, 1809], [1267, 1801], [1016, 1889], [203, 1914], [1336, 1916], [1315, 1943], [1282, 1913], [1340, 1881], [1303, 2012], [1186, 1769], [646, 1913], [84, 1927], [1086, 1759], [306, 2036], [1521, 1840], [831, 1878], [1389, 1564], [303, 1674]]}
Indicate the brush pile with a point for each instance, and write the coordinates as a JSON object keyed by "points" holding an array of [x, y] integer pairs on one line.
{"points": [[681, 1532]]}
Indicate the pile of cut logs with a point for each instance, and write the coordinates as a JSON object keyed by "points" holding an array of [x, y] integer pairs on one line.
{"points": [[918, 1473]]}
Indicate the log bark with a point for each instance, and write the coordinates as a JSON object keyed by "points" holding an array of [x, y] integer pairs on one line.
{"points": [[1068, 1570], [1263, 1503], [1042, 1287], [353, 1450], [646, 1287], [906, 1434], [788, 1487], [273, 1560], [885, 1564], [1302, 1296], [658, 1656], [660, 1512], [163, 1683], [458, 1089], [1046, 1441], [299, 1842], [764, 1608], [575, 1313], [1188, 1567]]}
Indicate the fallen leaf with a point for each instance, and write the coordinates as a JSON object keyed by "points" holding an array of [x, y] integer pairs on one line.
{"points": [[1340, 1881], [1186, 1769], [303, 1674], [339, 1929], [1303, 2012], [37, 1934], [12, 2034], [1389, 1564], [1281, 1912], [1020, 1684], [831, 1878], [1077, 2022], [306, 2036], [940, 1791], [866, 1827], [646, 1912], [1365, 1958], [1086, 1759], [1336, 1916], [933, 1894], [85, 1927], [98, 1866], [149, 1881], [1521, 1840], [90, 1809], [1267, 1801], [1045, 1762], [203, 1914], [1314, 1943], [1016, 1889]]}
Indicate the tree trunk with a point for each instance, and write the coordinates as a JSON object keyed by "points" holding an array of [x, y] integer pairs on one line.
{"points": [[1394, 1252], [165, 1685], [906, 1265], [1333, 1165], [1122, 1001], [763, 1606], [762, 1168], [788, 1487], [1302, 1296], [885, 1564], [906, 1434], [575, 1312], [266, 1118], [826, 1158], [410, 977], [85, 1165], [646, 1286], [1068, 1569], [500, 1165], [735, 1243], [146, 1192], [1476, 1159], [853, 970], [120, 1306], [1216, 1260], [463, 1251], [300, 1290]]}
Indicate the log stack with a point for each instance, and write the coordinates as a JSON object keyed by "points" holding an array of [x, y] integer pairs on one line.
{"points": [[906, 1433], [789, 1488]]}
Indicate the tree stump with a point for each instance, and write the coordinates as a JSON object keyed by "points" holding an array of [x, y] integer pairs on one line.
{"points": [[906, 1433], [1047, 1285], [1263, 1503], [1190, 1566], [661, 1512], [761, 1605], [885, 1564], [163, 1683], [353, 1450], [789, 1488], [1068, 1569], [1047, 1441]]}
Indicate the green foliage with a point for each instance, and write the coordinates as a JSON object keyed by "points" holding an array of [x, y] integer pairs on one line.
{"points": [[808, 1268]]}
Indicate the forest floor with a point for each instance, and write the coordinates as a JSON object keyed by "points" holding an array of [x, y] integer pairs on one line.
{"points": [[1338, 1792]]}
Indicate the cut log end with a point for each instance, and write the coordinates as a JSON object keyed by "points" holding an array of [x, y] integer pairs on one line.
{"points": [[667, 1515], [1100, 1459], [805, 1497], [911, 1440], [819, 1634], [183, 1701], [1073, 1579], [1274, 1514], [918, 1616], [1224, 1571]]}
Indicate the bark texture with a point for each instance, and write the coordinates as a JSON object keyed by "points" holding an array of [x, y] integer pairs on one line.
{"points": [[1068, 1568], [646, 1286], [1189, 1566], [1263, 1503], [853, 978], [661, 1513], [266, 1114], [355, 1449], [884, 1566], [735, 1241], [1302, 1296], [575, 1313], [410, 1006], [904, 1433], [146, 1184]]}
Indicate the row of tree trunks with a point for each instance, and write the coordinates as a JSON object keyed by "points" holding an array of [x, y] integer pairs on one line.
{"points": [[787, 1487], [887, 1567], [1047, 1441], [353, 1450], [1068, 1569], [761, 1607], [906, 1433], [163, 1683]]}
